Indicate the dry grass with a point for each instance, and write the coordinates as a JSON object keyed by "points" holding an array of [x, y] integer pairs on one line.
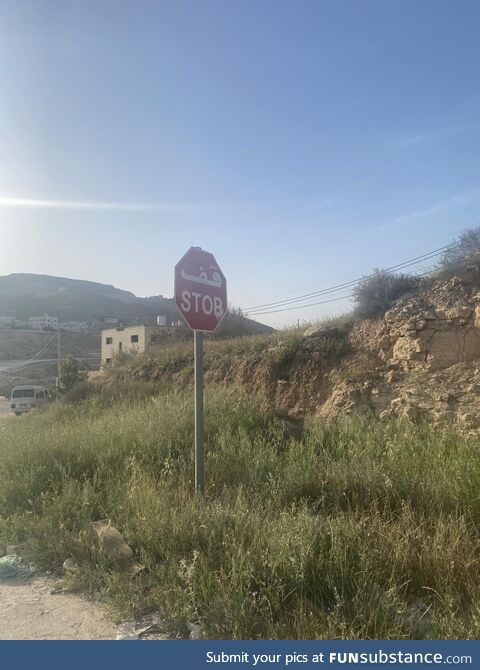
{"points": [[356, 530]]}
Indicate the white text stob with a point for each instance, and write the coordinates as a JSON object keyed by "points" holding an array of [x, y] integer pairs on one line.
{"points": [[202, 304]]}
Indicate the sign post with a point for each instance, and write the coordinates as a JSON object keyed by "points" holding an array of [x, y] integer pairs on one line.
{"points": [[201, 297], [199, 446]]}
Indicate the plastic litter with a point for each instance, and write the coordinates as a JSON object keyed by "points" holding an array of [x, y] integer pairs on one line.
{"points": [[126, 631], [14, 549], [112, 542], [11, 566], [115, 547], [195, 631], [134, 630], [70, 565]]}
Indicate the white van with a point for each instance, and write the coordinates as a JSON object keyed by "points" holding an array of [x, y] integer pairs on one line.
{"points": [[25, 398]]}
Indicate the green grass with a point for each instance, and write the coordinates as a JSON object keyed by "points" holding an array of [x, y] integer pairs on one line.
{"points": [[358, 529]]}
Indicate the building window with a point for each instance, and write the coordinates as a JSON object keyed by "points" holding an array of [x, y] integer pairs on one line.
{"points": [[134, 338], [109, 340], [120, 346], [108, 361]]}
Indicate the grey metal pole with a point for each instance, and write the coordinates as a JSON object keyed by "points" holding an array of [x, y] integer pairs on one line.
{"points": [[59, 357], [199, 445]]}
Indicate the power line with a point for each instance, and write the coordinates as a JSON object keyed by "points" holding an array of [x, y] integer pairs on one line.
{"points": [[312, 304], [30, 360], [338, 287], [323, 302], [284, 294]]}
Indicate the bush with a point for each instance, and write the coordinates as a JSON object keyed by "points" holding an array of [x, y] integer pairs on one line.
{"points": [[376, 293], [70, 373], [463, 254], [81, 391]]}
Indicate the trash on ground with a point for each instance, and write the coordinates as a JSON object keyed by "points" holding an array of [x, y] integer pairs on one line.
{"points": [[70, 565], [195, 631], [126, 631], [14, 549], [134, 630], [115, 547], [11, 566]]}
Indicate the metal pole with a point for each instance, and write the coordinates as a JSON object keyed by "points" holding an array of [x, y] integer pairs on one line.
{"points": [[59, 358], [199, 446]]}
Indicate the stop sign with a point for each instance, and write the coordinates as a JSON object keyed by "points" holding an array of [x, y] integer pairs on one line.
{"points": [[200, 290]]}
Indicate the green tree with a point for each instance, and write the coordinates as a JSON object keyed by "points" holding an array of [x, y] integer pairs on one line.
{"points": [[70, 373]]}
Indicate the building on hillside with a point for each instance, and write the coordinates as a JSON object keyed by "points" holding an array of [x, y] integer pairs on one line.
{"points": [[130, 339], [79, 326], [44, 322], [110, 321]]}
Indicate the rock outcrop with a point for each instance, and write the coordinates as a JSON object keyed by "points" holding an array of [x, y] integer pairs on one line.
{"points": [[428, 348]]}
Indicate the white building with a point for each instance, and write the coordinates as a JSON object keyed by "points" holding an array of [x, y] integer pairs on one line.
{"points": [[44, 322], [74, 325]]}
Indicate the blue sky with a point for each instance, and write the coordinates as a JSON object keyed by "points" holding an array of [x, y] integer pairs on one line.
{"points": [[303, 143]]}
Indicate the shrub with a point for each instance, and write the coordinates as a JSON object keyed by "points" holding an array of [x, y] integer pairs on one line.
{"points": [[81, 391], [70, 373], [463, 254], [376, 293]]}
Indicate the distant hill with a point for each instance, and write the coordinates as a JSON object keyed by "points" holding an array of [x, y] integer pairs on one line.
{"points": [[24, 295]]}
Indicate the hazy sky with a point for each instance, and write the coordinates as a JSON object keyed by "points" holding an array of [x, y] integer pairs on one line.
{"points": [[302, 142]]}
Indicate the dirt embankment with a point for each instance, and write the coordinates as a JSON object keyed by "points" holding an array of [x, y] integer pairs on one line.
{"points": [[422, 361]]}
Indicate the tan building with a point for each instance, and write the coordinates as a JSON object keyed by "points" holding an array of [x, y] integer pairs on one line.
{"points": [[133, 338]]}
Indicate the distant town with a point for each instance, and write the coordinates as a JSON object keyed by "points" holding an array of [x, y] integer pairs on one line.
{"points": [[115, 336], [48, 322]]}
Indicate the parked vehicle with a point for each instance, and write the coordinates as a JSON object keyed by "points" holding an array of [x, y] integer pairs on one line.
{"points": [[25, 398]]}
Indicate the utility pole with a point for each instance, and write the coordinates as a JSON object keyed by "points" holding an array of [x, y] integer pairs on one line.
{"points": [[59, 357]]}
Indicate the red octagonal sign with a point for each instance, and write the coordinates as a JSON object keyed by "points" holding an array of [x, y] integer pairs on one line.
{"points": [[200, 290]]}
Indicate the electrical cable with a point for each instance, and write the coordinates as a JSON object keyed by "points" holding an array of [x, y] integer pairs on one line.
{"points": [[333, 289]]}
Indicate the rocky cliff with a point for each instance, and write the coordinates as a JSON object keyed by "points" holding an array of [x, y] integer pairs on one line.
{"points": [[427, 355]]}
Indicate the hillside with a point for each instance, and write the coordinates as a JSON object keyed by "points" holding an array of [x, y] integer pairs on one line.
{"points": [[22, 295], [421, 361]]}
